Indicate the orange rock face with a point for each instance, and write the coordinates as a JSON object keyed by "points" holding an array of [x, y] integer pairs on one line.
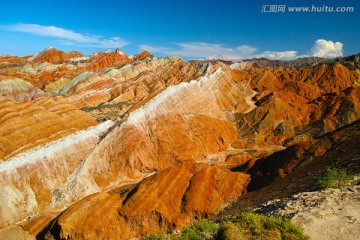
{"points": [[332, 111], [286, 101], [148, 141], [37, 123], [280, 164], [5, 60], [108, 59], [183, 123], [28, 112], [167, 200], [143, 54], [52, 55], [30, 181]]}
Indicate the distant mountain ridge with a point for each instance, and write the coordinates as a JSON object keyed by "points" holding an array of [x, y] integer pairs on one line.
{"points": [[350, 61]]}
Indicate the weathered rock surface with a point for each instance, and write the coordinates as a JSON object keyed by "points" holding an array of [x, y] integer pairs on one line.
{"points": [[25, 125], [19, 90], [52, 55], [302, 152], [108, 59], [30, 181], [167, 200], [183, 123], [143, 54], [291, 102], [298, 168], [15, 233]]}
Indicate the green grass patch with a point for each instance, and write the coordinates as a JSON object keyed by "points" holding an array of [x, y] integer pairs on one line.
{"points": [[245, 225], [158, 236], [199, 229], [334, 178], [257, 226]]}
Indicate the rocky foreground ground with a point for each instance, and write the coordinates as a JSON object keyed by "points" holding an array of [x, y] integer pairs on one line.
{"points": [[327, 214]]}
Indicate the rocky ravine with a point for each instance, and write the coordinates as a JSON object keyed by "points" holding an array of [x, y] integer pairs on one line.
{"points": [[155, 142]]}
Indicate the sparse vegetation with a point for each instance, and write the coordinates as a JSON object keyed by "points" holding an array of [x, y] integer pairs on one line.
{"points": [[257, 226], [334, 178], [357, 81], [199, 229], [158, 236], [245, 225], [108, 115], [105, 111], [105, 105]]}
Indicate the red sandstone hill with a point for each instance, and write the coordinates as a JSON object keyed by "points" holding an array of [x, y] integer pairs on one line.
{"points": [[165, 201], [108, 59], [150, 141], [52, 55], [143, 54]]}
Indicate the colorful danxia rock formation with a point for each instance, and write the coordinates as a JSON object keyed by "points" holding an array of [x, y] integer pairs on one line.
{"points": [[112, 146]]}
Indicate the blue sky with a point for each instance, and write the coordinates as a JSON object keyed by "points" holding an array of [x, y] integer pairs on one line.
{"points": [[197, 29]]}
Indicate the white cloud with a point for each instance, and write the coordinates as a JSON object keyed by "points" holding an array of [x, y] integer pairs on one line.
{"points": [[70, 37], [287, 55], [155, 49], [246, 49], [203, 50], [327, 49]]}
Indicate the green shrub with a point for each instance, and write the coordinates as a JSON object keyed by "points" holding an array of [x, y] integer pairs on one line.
{"points": [[229, 231], [197, 230], [357, 81], [158, 236], [245, 225], [257, 226], [205, 225], [334, 178], [191, 234]]}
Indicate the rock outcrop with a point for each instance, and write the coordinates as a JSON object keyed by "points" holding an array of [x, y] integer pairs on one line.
{"points": [[143, 54], [19, 90], [25, 125], [108, 59], [52, 55], [292, 102], [183, 123], [30, 181], [165, 201]]}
